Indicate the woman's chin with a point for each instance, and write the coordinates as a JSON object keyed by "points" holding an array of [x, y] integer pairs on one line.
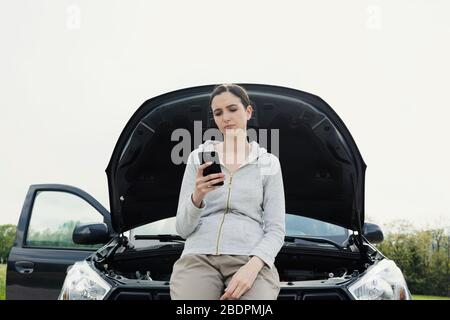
{"points": [[234, 132]]}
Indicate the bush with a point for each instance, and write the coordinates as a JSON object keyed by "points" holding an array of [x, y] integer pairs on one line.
{"points": [[423, 256], [7, 236]]}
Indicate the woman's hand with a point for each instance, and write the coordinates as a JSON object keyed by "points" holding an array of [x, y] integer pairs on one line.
{"points": [[243, 279], [203, 185]]}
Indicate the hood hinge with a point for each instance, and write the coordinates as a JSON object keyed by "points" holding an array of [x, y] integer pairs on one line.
{"points": [[358, 239], [105, 255]]}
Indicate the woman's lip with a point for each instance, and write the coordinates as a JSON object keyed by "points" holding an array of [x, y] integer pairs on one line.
{"points": [[231, 125]]}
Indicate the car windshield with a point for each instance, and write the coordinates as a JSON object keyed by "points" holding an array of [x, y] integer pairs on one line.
{"points": [[295, 226]]}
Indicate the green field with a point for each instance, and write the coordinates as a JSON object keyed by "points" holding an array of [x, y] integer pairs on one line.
{"points": [[2, 281], [418, 297]]}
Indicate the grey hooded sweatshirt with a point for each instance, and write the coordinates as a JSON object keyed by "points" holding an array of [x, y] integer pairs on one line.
{"points": [[245, 216]]}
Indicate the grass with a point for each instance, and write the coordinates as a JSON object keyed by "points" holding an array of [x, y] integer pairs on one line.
{"points": [[2, 281], [419, 297]]}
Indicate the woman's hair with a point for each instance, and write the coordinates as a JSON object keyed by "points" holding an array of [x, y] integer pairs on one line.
{"points": [[235, 89]]}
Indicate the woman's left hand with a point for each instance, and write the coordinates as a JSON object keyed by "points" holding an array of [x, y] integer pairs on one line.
{"points": [[243, 279]]}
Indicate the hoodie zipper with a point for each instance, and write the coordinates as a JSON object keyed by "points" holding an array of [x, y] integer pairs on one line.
{"points": [[228, 206], [223, 217]]}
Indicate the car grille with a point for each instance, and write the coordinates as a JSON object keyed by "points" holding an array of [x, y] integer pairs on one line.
{"points": [[285, 294], [312, 295]]}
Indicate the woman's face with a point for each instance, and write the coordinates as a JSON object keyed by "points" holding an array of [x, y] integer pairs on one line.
{"points": [[230, 114]]}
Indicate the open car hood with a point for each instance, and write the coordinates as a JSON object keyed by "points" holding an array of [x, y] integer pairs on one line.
{"points": [[323, 171]]}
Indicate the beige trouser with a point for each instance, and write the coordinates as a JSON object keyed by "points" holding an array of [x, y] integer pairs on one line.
{"points": [[205, 276]]}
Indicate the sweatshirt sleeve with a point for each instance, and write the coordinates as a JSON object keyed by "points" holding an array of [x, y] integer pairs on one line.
{"points": [[273, 215], [188, 215]]}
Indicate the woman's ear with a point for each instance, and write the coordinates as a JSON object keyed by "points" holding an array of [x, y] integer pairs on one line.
{"points": [[249, 115]]}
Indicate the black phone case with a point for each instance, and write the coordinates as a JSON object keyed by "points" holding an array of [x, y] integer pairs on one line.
{"points": [[214, 167]]}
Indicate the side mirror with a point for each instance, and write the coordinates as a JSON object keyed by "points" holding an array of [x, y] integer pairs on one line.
{"points": [[91, 233], [373, 233]]}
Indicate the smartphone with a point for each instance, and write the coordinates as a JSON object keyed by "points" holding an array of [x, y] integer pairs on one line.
{"points": [[212, 168]]}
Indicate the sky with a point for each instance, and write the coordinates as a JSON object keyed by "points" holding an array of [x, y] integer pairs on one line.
{"points": [[73, 72]]}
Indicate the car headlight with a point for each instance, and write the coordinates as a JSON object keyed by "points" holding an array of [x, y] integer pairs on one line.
{"points": [[384, 281], [83, 283]]}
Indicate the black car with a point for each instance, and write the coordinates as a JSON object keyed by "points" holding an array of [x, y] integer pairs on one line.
{"points": [[68, 246]]}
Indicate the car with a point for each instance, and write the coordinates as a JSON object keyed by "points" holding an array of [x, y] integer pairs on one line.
{"points": [[68, 246]]}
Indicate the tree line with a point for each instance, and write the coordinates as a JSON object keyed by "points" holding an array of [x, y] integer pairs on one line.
{"points": [[422, 255]]}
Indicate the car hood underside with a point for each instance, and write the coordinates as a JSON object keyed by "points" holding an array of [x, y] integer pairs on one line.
{"points": [[323, 171]]}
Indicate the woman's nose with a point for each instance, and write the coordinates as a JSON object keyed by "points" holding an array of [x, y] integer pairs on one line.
{"points": [[226, 116]]}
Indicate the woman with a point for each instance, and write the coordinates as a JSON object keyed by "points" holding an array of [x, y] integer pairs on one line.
{"points": [[233, 231]]}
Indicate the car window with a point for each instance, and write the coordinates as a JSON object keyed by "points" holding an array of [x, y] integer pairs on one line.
{"points": [[54, 216], [295, 225], [299, 225], [163, 226]]}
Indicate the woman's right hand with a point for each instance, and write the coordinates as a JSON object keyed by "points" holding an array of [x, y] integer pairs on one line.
{"points": [[203, 185]]}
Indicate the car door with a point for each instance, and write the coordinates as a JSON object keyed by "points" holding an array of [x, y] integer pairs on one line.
{"points": [[43, 248]]}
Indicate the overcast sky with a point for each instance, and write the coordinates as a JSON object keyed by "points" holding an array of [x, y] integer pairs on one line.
{"points": [[73, 72]]}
